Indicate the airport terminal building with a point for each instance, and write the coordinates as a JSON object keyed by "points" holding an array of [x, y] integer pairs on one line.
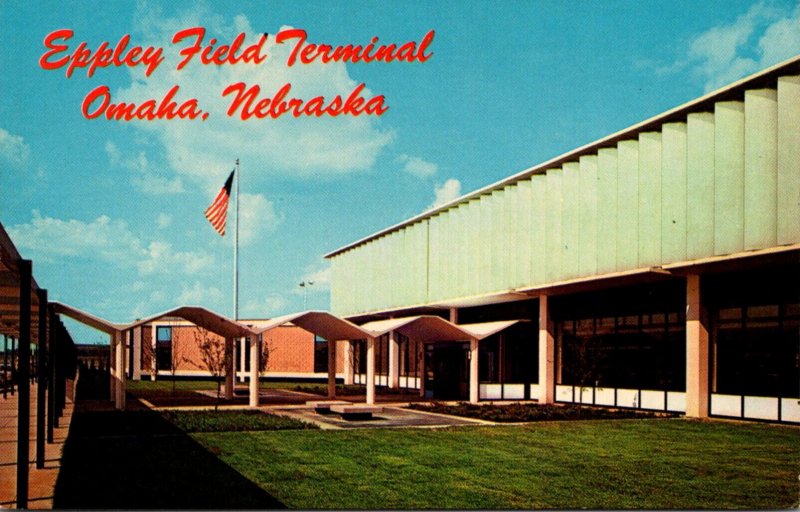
{"points": [[656, 268]]}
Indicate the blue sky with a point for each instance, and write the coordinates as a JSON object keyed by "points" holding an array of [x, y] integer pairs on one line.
{"points": [[112, 212]]}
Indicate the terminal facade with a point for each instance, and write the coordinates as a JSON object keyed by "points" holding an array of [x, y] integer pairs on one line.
{"points": [[656, 268]]}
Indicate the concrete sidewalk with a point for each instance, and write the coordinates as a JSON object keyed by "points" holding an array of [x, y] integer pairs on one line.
{"points": [[41, 481]]}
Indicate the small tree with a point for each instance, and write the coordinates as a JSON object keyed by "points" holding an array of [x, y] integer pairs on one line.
{"points": [[149, 357], [266, 349], [213, 357], [584, 355], [177, 356]]}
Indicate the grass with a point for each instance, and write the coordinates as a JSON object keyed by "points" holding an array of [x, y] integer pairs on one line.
{"points": [[136, 459], [650, 463], [166, 385], [227, 421], [532, 412]]}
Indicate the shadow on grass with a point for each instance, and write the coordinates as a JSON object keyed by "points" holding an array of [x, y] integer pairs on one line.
{"points": [[138, 460]]}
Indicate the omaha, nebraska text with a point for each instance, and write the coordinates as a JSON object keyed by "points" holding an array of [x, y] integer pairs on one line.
{"points": [[246, 103]]}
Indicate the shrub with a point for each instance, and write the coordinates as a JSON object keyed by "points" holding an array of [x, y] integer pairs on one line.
{"points": [[533, 412]]}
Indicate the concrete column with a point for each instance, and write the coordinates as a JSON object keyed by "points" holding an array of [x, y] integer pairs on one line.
{"points": [[41, 388], [137, 353], [348, 363], [696, 351], [421, 355], [119, 372], [5, 366], [128, 343], [454, 315], [154, 343], [229, 368], [14, 346], [394, 361], [370, 371], [547, 353], [474, 385], [242, 358], [255, 363], [23, 382], [52, 418], [112, 365], [331, 369]]}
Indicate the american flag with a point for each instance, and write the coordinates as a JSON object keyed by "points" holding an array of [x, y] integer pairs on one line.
{"points": [[217, 213]]}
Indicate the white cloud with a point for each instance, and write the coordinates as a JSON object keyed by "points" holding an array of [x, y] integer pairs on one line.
{"points": [[144, 175], [781, 40], [264, 307], [13, 149], [199, 294], [168, 292], [418, 167], [301, 147], [106, 240], [257, 216], [164, 220], [157, 185], [757, 39], [161, 258], [102, 238], [446, 192]]}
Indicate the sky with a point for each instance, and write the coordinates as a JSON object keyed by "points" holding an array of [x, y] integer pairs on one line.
{"points": [[111, 211]]}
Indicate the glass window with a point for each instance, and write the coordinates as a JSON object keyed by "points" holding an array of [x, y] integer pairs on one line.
{"points": [[164, 348], [628, 351], [320, 355], [164, 334], [754, 331]]}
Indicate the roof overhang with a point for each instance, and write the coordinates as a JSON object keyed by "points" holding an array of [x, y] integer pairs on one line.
{"points": [[483, 330], [86, 318], [425, 328], [202, 317], [321, 323], [735, 90], [10, 290]]}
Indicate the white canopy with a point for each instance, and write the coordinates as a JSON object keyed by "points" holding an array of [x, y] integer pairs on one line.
{"points": [[321, 323]]}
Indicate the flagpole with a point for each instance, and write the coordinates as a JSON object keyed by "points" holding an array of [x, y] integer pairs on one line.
{"points": [[236, 250]]}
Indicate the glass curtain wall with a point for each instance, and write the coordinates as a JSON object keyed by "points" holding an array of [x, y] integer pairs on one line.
{"points": [[630, 339]]}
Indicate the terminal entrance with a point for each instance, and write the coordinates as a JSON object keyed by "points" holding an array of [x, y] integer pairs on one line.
{"points": [[447, 371]]}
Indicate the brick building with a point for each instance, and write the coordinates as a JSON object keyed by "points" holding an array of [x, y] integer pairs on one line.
{"points": [[288, 351]]}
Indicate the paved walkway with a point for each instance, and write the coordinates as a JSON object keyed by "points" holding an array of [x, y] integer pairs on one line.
{"points": [[41, 481], [136, 459], [394, 416]]}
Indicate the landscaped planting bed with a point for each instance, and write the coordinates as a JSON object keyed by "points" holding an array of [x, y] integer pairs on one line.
{"points": [[533, 412]]}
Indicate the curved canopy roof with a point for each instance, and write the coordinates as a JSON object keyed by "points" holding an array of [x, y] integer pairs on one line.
{"points": [[424, 327], [434, 328], [321, 323], [484, 330], [202, 317], [87, 318]]}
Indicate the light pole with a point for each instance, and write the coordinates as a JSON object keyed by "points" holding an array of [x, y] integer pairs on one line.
{"points": [[304, 285]]}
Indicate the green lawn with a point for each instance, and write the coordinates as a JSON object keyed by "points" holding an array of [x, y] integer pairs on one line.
{"points": [[652, 463], [228, 421], [166, 385]]}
